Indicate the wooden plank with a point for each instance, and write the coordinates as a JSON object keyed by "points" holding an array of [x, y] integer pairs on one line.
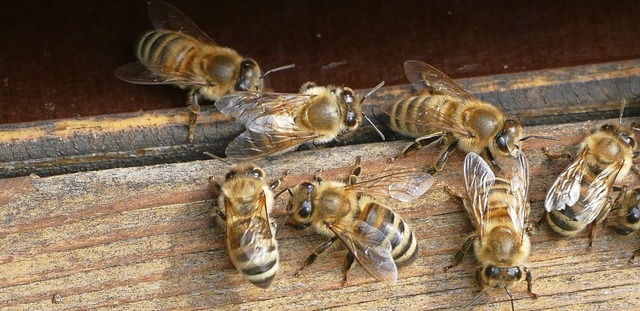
{"points": [[145, 238], [537, 97]]}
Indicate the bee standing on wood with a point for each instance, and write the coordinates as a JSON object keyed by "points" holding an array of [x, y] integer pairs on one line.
{"points": [[443, 112], [580, 195], [278, 122], [177, 52], [244, 201], [628, 220], [379, 239], [498, 209]]}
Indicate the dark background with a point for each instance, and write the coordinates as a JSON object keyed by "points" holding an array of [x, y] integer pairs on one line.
{"points": [[57, 57]]}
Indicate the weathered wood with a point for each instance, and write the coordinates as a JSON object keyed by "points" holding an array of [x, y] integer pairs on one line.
{"points": [[70, 145], [145, 238]]}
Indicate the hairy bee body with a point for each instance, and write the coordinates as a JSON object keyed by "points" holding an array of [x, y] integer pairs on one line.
{"points": [[247, 201], [378, 238], [279, 122], [444, 112], [629, 212], [580, 194], [171, 52]]}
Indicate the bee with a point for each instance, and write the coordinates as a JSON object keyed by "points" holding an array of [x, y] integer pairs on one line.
{"points": [[379, 239], [498, 209], [628, 205], [279, 122], [580, 195], [244, 201], [444, 113], [177, 52]]}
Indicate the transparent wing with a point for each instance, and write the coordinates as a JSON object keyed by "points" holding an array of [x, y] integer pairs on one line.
{"points": [[425, 77], [165, 16], [253, 237], [478, 179], [371, 249], [402, 186], [519, 208], [565, 191], [248, 106], [256, 144], [596, 195], [137, 73]]}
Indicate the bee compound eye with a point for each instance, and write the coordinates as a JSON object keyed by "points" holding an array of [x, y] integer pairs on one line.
{"points": [[491, 271], [305, 209], [634, 215], [501, 142]]}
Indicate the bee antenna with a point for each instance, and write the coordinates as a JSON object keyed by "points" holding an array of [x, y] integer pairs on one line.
{"points": [[375, 88], [513, 307], [539, 137], [213, 156], [475, 299], [277, 69], [624, 102]]}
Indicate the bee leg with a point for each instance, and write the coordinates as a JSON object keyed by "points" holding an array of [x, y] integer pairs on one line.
{"points": [[539, 222], [319, 250], [529, 281], [466, 247], [348, 262], [492, 159], [194, 109], [635, 253], [419, 143], [357, 169], [443, 158], [216, 190]]}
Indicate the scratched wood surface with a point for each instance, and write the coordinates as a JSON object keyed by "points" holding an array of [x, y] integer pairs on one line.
{"points": [[145, 238]]}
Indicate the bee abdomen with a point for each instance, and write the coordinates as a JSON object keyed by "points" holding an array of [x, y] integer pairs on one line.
{"points": [[563, 222], [257, 260], [410, 116], [166, 51], [403, 241]]}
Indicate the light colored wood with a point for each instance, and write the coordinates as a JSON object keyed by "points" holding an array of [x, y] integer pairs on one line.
{"points": [[145, 238]]}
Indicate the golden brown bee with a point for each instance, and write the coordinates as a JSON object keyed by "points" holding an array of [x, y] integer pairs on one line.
{"points": [[244, 201], [580, 194], [445, 113], [628, 220], [177, 52], [379, 239], [277, 122], [498, 209]]}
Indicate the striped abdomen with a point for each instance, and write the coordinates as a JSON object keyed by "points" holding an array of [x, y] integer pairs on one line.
{"points": [[253, 250], [411, 116], [168, 51], [403, 241]]}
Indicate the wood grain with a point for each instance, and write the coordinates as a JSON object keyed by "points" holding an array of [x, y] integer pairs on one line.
{"points": [[145, 238], [555, 96]]}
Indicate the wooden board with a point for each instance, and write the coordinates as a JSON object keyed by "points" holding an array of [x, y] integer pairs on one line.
{"points": [[536, 97], [145, 238]]}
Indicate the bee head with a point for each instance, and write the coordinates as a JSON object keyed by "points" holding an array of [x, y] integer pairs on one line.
{"points": [[250, 78], [509, 136], [300, 206], [353, 113], [494, 276], [246, 170]]}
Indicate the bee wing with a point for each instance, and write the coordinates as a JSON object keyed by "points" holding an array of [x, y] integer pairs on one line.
{"points": [[248, 106], [402, 186], [478, 179], [597, 194], [253, 144], [138, 73], [519, 208], [256, 239], [165, 16], [371, 249], [565, 191], [425, 77]]}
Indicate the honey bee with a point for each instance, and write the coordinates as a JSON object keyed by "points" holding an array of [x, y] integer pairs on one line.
{"points": [[580, 195], [498, 210], [244, 201], [444, 113], [278, 122], [628, 205], [177, 52], [379, 239]]}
